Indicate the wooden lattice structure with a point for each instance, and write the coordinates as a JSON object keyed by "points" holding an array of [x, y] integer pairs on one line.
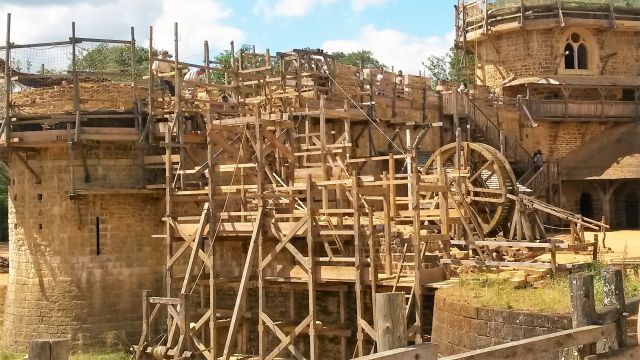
{"points": [[275, 182]]}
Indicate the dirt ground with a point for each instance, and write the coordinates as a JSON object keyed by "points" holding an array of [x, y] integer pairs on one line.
{"points": [[621, 244]]}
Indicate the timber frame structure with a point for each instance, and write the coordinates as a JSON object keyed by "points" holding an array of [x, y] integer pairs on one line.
{"points": [[269, 167]]}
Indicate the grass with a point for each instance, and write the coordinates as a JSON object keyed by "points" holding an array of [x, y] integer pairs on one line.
{"points": [[98, 354], [93, 355], [551, 296]]}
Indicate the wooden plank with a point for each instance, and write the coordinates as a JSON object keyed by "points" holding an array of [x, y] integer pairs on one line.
{"points": [[540, 344], [164, 300], [424, 351], [39, 350], [246, 272]]}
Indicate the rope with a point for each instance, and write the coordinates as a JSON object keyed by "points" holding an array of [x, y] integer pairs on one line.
{"points": [[224, 207], [159, 352]]}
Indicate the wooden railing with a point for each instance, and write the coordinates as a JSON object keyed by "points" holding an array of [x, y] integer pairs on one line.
{"points": [[467, 107], [538, 180], [581, 110], [475, 17]]}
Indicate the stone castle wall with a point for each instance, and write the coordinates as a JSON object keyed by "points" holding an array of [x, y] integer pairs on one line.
{"points": [[539, 53], [557, 139], [58, 285]]}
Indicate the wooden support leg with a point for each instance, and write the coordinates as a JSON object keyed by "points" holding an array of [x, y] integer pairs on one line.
{"points": [[613, 288], [390, 322], [583, 306]]}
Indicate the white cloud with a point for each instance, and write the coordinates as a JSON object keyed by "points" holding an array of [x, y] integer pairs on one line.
{"points": [[394, 48], [199, 21], [359, 5], [287, 8], [51, 21], [298, 8]]}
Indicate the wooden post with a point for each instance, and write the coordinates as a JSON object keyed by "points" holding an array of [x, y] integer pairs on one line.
{"points": [[313, 341], [144, 338], [554, 252], [6, 124], [613, 289], [355, 199], [417, 285], [76, 83], [388, 263], [392, 186], [50, 349], [390, 321], [149, 125], [343, 323], [594, 254], [186, 337], [133, 62], [583, 306], [39, 350]]}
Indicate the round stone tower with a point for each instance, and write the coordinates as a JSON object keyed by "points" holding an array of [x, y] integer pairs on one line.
{"points": [[559, 76], [512, 40], [81, 251]]}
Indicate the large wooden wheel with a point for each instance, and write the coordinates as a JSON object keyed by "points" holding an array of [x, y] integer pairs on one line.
{"points": [[489, 181]]}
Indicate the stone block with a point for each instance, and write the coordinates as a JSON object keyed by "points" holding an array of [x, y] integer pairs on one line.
{"points": [[513, 332], [486, 314], [469, 311]]}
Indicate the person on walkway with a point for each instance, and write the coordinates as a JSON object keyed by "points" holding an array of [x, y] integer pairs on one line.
{"points": [[380, 82], [194, 75], [399, 84], [538, 160], [163, 67]]}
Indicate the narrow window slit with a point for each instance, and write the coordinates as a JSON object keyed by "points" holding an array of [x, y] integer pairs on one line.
{"points": [[97, 235]]}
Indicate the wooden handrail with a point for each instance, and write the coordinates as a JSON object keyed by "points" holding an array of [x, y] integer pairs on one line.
{"points": [[541, 344], [520, 154]]}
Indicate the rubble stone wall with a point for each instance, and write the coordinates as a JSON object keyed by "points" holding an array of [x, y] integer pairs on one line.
{"points": [[59, 286], [460, 327]]}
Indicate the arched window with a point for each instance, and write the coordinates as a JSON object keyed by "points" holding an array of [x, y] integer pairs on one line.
{"points": [[575, 53]]}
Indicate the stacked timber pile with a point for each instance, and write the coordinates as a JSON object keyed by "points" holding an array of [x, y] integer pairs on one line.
{"points": [[59, 99]]}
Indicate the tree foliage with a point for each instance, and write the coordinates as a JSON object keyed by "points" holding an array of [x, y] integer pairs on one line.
{"points": [[358, 58], [449, 67], [223, 60], [107, 57]]}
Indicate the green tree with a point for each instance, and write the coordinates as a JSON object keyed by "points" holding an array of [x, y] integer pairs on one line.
{"points": [[438, 67], [450, 67], [357, 58], [107, 57], [223, 60]]}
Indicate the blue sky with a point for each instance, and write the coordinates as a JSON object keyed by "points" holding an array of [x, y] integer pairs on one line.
{"points": [[401, 33]]}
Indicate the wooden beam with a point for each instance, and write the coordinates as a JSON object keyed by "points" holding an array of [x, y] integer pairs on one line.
{"points": [[540, 344], [24, 162], [233, 326], [424, 351]]}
